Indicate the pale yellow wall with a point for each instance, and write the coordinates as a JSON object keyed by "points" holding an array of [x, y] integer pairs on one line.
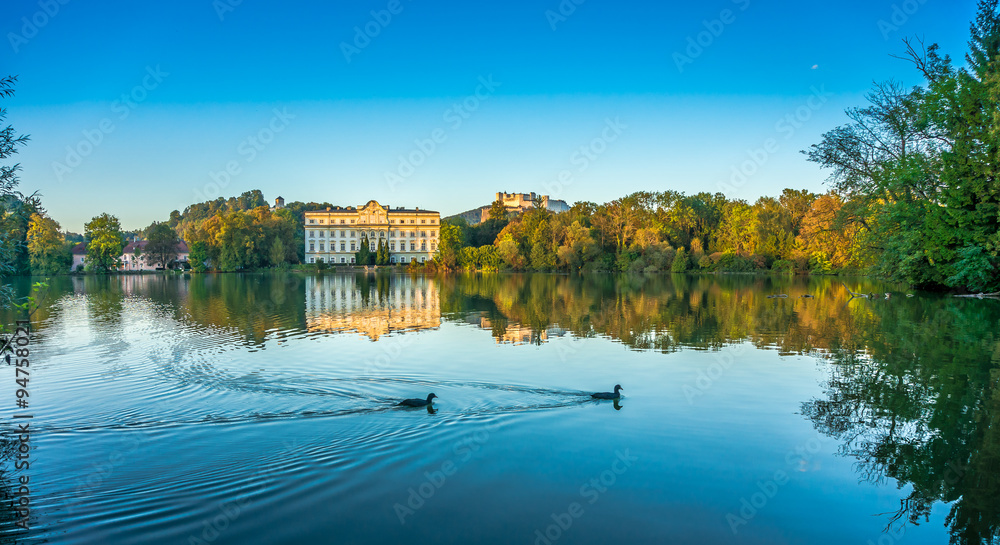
{"points": [[390, 225]]}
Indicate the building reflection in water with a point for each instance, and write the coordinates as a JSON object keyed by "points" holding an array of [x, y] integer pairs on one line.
{"points": [[371, 305], [505, 331]]}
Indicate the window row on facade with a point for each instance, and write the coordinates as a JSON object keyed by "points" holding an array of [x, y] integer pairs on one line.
{"points": [[371, 234], [354, 247], [346, 221], [349, 260]]}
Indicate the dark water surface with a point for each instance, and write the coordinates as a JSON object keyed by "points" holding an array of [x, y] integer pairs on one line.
{"points": [[258, 408]]}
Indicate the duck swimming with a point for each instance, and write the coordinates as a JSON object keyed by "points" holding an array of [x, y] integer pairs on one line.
{"points": [[608, 395], [416, 402]]}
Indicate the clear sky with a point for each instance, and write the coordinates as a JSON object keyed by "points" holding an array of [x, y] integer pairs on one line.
{"points": [[138, 108]]}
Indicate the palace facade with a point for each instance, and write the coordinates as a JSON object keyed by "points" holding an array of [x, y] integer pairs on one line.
{"points": [[335, 234]]}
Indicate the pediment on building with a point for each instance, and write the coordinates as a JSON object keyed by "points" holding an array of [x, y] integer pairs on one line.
{"points": [[373, 213]]}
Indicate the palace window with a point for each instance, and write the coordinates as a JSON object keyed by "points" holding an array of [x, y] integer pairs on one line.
{"points": [[321, 246], [342, 260], [423, 247], [352, 234], [352, 221], [423, 234], [413, 246], [341, 222], [312, 247], [433, 247], [413, 234], [413, 221], [421, 221], [312, 259], [312, 221], [321, 221], [342, 246], [392, 246], [392, 259], [312, 234], [352, 246]]}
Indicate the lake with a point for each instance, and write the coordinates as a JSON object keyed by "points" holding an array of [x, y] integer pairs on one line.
{"points": [[259, 408]]}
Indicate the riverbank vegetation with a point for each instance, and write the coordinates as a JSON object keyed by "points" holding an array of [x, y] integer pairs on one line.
{"points": [[914, 197]]}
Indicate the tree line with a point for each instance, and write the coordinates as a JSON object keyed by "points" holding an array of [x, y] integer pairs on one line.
{"points": [[914, 197], [664, 231]]}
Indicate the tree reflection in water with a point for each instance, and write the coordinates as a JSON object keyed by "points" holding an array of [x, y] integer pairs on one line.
{"points": [[913, 393]]}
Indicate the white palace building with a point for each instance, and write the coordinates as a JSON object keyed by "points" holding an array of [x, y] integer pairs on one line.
{"points": [[334, 235]]}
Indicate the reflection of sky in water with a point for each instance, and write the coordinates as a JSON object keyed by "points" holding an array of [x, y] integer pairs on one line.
{"points": [[268, 390]]}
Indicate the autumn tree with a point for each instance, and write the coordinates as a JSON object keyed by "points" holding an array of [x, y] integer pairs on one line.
{"points": [[47, 247]]}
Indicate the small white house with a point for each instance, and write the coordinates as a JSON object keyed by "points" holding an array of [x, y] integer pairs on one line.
{"points": [[131, 262]]}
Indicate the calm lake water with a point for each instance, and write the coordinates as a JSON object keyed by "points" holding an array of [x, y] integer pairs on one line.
{"points": [[258, 408]]}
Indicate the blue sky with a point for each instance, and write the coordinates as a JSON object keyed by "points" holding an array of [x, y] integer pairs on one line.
{"points": [[138, 109]]}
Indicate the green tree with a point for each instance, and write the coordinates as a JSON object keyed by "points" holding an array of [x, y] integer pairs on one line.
{"points": [[364, 254], [917, 166], [449, 246], [680, 263], [105, 242], [9, 241], [47, 246], [382, 256], [738, 232], [161, 245], [197, 256], [509, 252], [277, 253], [542, 256], [488, 258], [498, 212]]}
